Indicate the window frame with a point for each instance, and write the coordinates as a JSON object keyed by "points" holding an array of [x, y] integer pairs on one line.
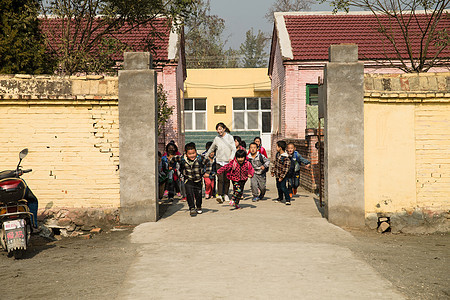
{"points": [[259, 110], [308, 87], [194, 114]]}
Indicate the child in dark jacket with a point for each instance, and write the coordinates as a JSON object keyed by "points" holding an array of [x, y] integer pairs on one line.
{"points": [[294, 170], [238, 171], [193, 170], [280, 170], [163, 175]]}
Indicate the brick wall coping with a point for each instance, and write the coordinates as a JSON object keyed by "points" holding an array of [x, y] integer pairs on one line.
{"points": [[47, 89], [408, 82], [58, 100], [406, 97], [56, 77]]}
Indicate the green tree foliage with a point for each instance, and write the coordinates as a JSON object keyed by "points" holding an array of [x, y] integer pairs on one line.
{"points": [[400, 16], [86, 42], [204, 45], [288, 5], [22, 47], [164, 110], [252, 50]]}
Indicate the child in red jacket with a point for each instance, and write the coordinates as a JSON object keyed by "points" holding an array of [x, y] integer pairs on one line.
{"points": [[238, 171]]}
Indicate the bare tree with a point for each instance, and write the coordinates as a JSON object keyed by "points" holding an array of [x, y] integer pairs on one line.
{"points": [[82, 34], [416, 31], [288, 5]]}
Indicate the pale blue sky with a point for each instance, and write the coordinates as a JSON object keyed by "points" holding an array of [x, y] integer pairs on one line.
{"points": [[241, 15]]}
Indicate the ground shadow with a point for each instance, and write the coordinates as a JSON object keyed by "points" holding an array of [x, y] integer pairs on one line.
{"points": [[36, 246], [168, 208], [319, 208]]}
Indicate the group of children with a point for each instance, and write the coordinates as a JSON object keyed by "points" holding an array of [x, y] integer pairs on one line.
{"points": [[185, 173]]}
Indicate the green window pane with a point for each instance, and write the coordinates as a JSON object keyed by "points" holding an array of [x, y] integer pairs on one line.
{"points": [[253, 103], [188, 104], [238, 103]]}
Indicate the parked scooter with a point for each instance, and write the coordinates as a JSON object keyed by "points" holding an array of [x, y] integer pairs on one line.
{"points": [[16, 220]]}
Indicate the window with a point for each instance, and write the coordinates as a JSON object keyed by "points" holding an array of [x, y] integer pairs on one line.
{"points": [[252, 114], [312, 94], [194, 114], [312, 108]]}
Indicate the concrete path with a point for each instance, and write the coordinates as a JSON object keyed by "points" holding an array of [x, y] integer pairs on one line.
{"points": [[264, 251]]}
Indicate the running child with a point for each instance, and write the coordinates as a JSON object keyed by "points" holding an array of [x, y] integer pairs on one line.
{"points": [[210, 178], [260, 164], [238, 171], [280, 170], [193, 169], [163, 171], [294, 170]]}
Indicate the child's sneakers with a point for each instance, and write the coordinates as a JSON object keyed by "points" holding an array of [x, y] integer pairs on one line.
{"points": [[199, 211], [256, 199], [183, 199], [192, 212], [219, 199], [232, 202], [237, 206], [288, 202], [207, 196]]}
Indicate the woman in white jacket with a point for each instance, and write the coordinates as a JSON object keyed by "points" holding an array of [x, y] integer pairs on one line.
{"points": [[225, 149]]}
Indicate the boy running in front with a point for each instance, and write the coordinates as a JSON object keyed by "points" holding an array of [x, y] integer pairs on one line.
{"points": [[238, 171], [192, 167], [260, 164]]}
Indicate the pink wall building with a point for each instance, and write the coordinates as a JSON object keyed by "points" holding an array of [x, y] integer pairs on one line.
{"points": [[299, 51]]}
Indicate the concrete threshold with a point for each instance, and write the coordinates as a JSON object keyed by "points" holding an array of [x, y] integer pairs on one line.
{"points": [[266, 250]]}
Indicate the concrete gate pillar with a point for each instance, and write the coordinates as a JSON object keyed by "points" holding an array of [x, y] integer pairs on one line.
{"points": [[138, 140], [344, 137]]}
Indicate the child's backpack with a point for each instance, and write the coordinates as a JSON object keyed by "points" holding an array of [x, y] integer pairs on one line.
{"points": [[261, 159], [291, 171], [296, 163]]}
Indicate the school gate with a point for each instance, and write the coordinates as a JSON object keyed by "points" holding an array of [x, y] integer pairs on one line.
{"points": [[138, 140]]}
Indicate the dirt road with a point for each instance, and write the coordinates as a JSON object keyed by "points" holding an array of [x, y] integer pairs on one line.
{"points": [[74, 268]]}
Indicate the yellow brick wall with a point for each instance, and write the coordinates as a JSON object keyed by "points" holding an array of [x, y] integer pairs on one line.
{"points": [[73, 139], [73, 151], [407, 142], [432, 141]]}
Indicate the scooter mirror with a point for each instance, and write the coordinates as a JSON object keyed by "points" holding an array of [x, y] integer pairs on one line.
{"points": [[23, 153]]}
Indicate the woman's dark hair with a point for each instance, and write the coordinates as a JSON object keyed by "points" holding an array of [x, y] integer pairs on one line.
{"points": [[237, 138], [241, 153], [257, 138], [208, 145], [173, 145], [243, 144], [221, 124]]}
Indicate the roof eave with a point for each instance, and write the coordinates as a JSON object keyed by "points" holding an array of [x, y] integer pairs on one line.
{"points": [[283, 36]]}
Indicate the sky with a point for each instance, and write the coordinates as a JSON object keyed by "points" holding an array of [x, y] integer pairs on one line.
{"points": [[242, 15]]}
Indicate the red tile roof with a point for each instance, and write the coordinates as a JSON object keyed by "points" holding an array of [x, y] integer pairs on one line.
{"points": [[311, 35], [152, 37]]}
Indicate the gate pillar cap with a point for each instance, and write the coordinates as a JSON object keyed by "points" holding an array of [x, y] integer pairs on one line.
{"points": [[343, 53], [137, 61]]}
